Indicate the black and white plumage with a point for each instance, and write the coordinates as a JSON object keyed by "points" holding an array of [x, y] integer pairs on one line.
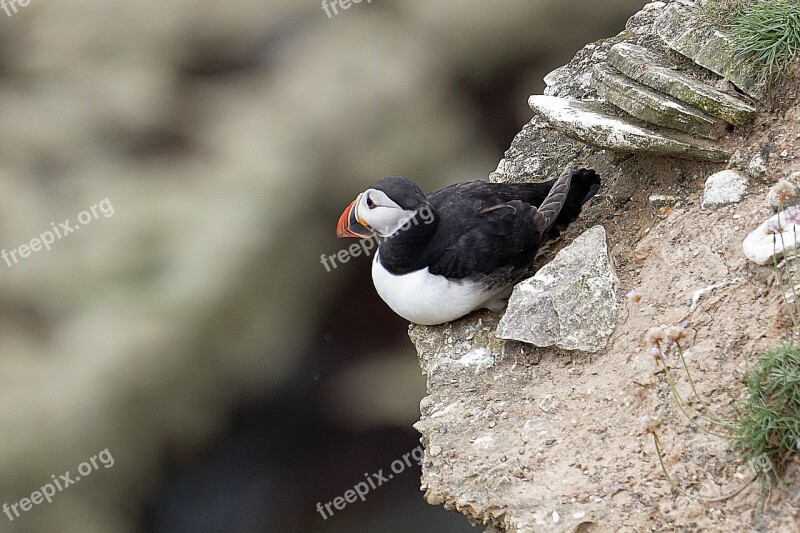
{"points": [[463, 247]]}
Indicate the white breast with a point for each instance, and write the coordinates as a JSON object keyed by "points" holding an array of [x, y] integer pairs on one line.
{"points": [[425, 298]]}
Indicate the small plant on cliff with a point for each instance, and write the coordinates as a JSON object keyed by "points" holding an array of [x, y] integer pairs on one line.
{"points": [[766, 31], [667, 342], [768, 420], [765, 429]]}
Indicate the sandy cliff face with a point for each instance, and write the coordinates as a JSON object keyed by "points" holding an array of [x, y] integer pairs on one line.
{"points": [[527, 439]]}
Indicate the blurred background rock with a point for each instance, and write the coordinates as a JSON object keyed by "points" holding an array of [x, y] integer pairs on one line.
{"points": [[195, 333]]}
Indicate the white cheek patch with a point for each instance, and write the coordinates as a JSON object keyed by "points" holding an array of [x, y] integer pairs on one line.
{"points": [[392, 220], [404, 222], [387, 217], [379, 198]]}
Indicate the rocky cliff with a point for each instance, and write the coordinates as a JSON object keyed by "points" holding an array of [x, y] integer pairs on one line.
{"points": [[544, 435]]}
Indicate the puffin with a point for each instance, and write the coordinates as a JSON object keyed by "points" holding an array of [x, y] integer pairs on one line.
{"points": [[462, 248]]}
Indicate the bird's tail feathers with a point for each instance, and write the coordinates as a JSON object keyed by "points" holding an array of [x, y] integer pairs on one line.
{"points": [[554, 201], [585, 184]]}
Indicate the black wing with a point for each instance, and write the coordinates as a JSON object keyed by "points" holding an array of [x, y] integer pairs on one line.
{"points": [[502, 236], [505, 236], [480, 194]]}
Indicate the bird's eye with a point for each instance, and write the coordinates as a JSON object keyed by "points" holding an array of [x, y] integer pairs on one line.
{"points": [[370, 203]]}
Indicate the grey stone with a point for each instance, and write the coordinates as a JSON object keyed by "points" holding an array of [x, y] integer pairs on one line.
{"points": [[659, 201], [556, 80], [591, 123], [648, 68], [570, 302], [682, 28], [757, 167], [657, 108], [737, 160], [524, 164], [724, 187], [782, 195], [763, 247]]}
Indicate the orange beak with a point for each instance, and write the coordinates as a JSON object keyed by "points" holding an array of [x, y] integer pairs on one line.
{"points": [[350, 225]]}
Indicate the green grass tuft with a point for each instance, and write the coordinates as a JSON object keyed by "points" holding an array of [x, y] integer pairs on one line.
{"points": [[766, 31], [768, 420]]}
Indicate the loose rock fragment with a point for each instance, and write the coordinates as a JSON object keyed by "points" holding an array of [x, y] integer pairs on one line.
{"points": [[570, 302], [724, 187], [784, 193], [764, 243]]}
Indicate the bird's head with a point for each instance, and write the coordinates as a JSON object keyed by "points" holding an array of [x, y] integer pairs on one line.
{"points": [[383, 209]]}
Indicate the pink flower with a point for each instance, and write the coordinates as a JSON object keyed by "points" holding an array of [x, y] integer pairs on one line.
{"points": [[655, 352], [773, 227], [792, 214], [654, 336]]}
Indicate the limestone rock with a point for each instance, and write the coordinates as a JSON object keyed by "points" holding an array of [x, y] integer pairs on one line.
{"points": [[640, 64], [681, 30], [570, 302], [524, 164], [652, 106], [737, 160], [761, 245], [589, 122], [782, 195], [557, 79], [724, 187], [663, 201], [757, 167]]}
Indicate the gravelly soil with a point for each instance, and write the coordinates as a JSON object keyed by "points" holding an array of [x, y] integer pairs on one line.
{"points": [[527, 439]]}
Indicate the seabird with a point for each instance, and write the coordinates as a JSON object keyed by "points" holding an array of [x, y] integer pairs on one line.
{"points": [[464, 247]]}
